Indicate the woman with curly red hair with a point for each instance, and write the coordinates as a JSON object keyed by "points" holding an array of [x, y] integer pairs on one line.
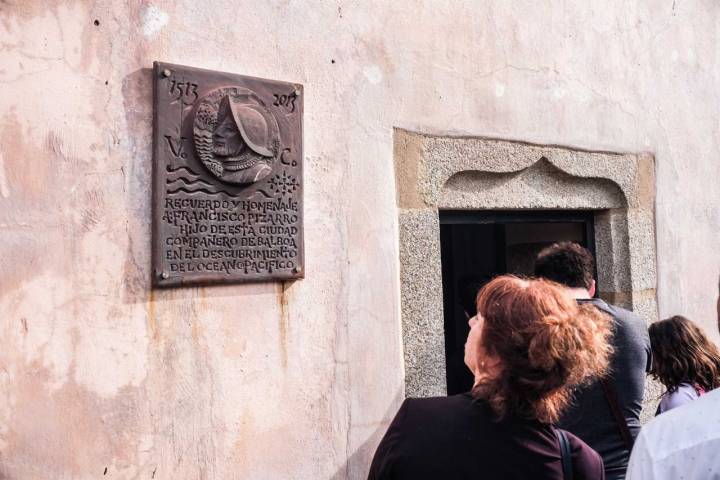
{"points": [[529, 345]]}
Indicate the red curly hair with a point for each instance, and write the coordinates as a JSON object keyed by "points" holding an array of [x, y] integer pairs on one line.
{"points": [[545, 344]]}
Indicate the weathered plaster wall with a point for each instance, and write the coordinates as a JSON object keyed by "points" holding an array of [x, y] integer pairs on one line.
{"points": [[296, 380]]}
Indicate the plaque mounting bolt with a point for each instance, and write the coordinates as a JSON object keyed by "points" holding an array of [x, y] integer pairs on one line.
{"points": [[297, 269], [164, 275], [166, 73]]}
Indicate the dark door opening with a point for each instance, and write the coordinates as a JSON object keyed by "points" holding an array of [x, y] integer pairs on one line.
{"points": [[476, 246]]}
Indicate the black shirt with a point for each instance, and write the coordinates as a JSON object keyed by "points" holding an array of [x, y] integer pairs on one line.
{"points": [[589, 416], [460, 438]]}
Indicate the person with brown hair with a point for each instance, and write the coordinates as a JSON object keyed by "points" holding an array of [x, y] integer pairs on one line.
{"points": [[684, 360], [528, 346], [682, 443]]}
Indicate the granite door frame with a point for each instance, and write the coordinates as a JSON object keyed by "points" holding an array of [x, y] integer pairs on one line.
{"points": [[434, 173]]}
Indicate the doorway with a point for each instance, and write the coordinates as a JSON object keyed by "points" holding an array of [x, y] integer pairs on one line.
{"points": [[476, 246]]}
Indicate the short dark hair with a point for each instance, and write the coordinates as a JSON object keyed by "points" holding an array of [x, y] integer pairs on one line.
{"points": [[566, 263]]}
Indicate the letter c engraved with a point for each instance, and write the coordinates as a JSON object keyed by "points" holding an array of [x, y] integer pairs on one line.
{"points": [[284, 161]]}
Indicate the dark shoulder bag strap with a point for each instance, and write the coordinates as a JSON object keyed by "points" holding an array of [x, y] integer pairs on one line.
{"points": [[565, 454], [612, 399]]}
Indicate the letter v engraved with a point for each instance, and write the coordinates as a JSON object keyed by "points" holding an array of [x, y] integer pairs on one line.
{"points": [[177, 148]]}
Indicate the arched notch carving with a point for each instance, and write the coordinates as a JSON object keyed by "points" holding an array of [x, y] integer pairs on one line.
{"points": [[541, 185], [424, 164]]}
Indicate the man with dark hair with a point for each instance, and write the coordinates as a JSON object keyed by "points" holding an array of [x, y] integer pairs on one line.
{"points": [[682, 443], [568, 264], [606, 413]]}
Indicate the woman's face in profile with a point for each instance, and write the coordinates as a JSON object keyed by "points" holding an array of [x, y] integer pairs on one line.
{"points": [[473, 351]]}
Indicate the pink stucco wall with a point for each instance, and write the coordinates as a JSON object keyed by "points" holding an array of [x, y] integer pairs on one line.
{"points": [[297, 380]]}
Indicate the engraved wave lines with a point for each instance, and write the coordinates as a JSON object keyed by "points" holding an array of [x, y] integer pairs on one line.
{"points": [[185, 180], [181, 169], [199, 186], [198, 190], [188, 181]]}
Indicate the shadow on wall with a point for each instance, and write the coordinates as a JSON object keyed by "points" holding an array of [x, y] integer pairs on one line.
{"points": [[357, 465], [136, 143]]}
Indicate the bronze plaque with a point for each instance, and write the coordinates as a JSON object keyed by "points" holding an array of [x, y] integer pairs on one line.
{"points": [[227, 178]]}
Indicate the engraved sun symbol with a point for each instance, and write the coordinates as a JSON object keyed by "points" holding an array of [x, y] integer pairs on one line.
{"points": [[284, 184]]}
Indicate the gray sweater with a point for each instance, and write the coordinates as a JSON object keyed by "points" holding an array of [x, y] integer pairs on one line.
{"points": [[589, 416]]}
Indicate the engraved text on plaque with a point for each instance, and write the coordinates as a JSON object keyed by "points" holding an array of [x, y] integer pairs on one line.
{"points": [[227, 188]]}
